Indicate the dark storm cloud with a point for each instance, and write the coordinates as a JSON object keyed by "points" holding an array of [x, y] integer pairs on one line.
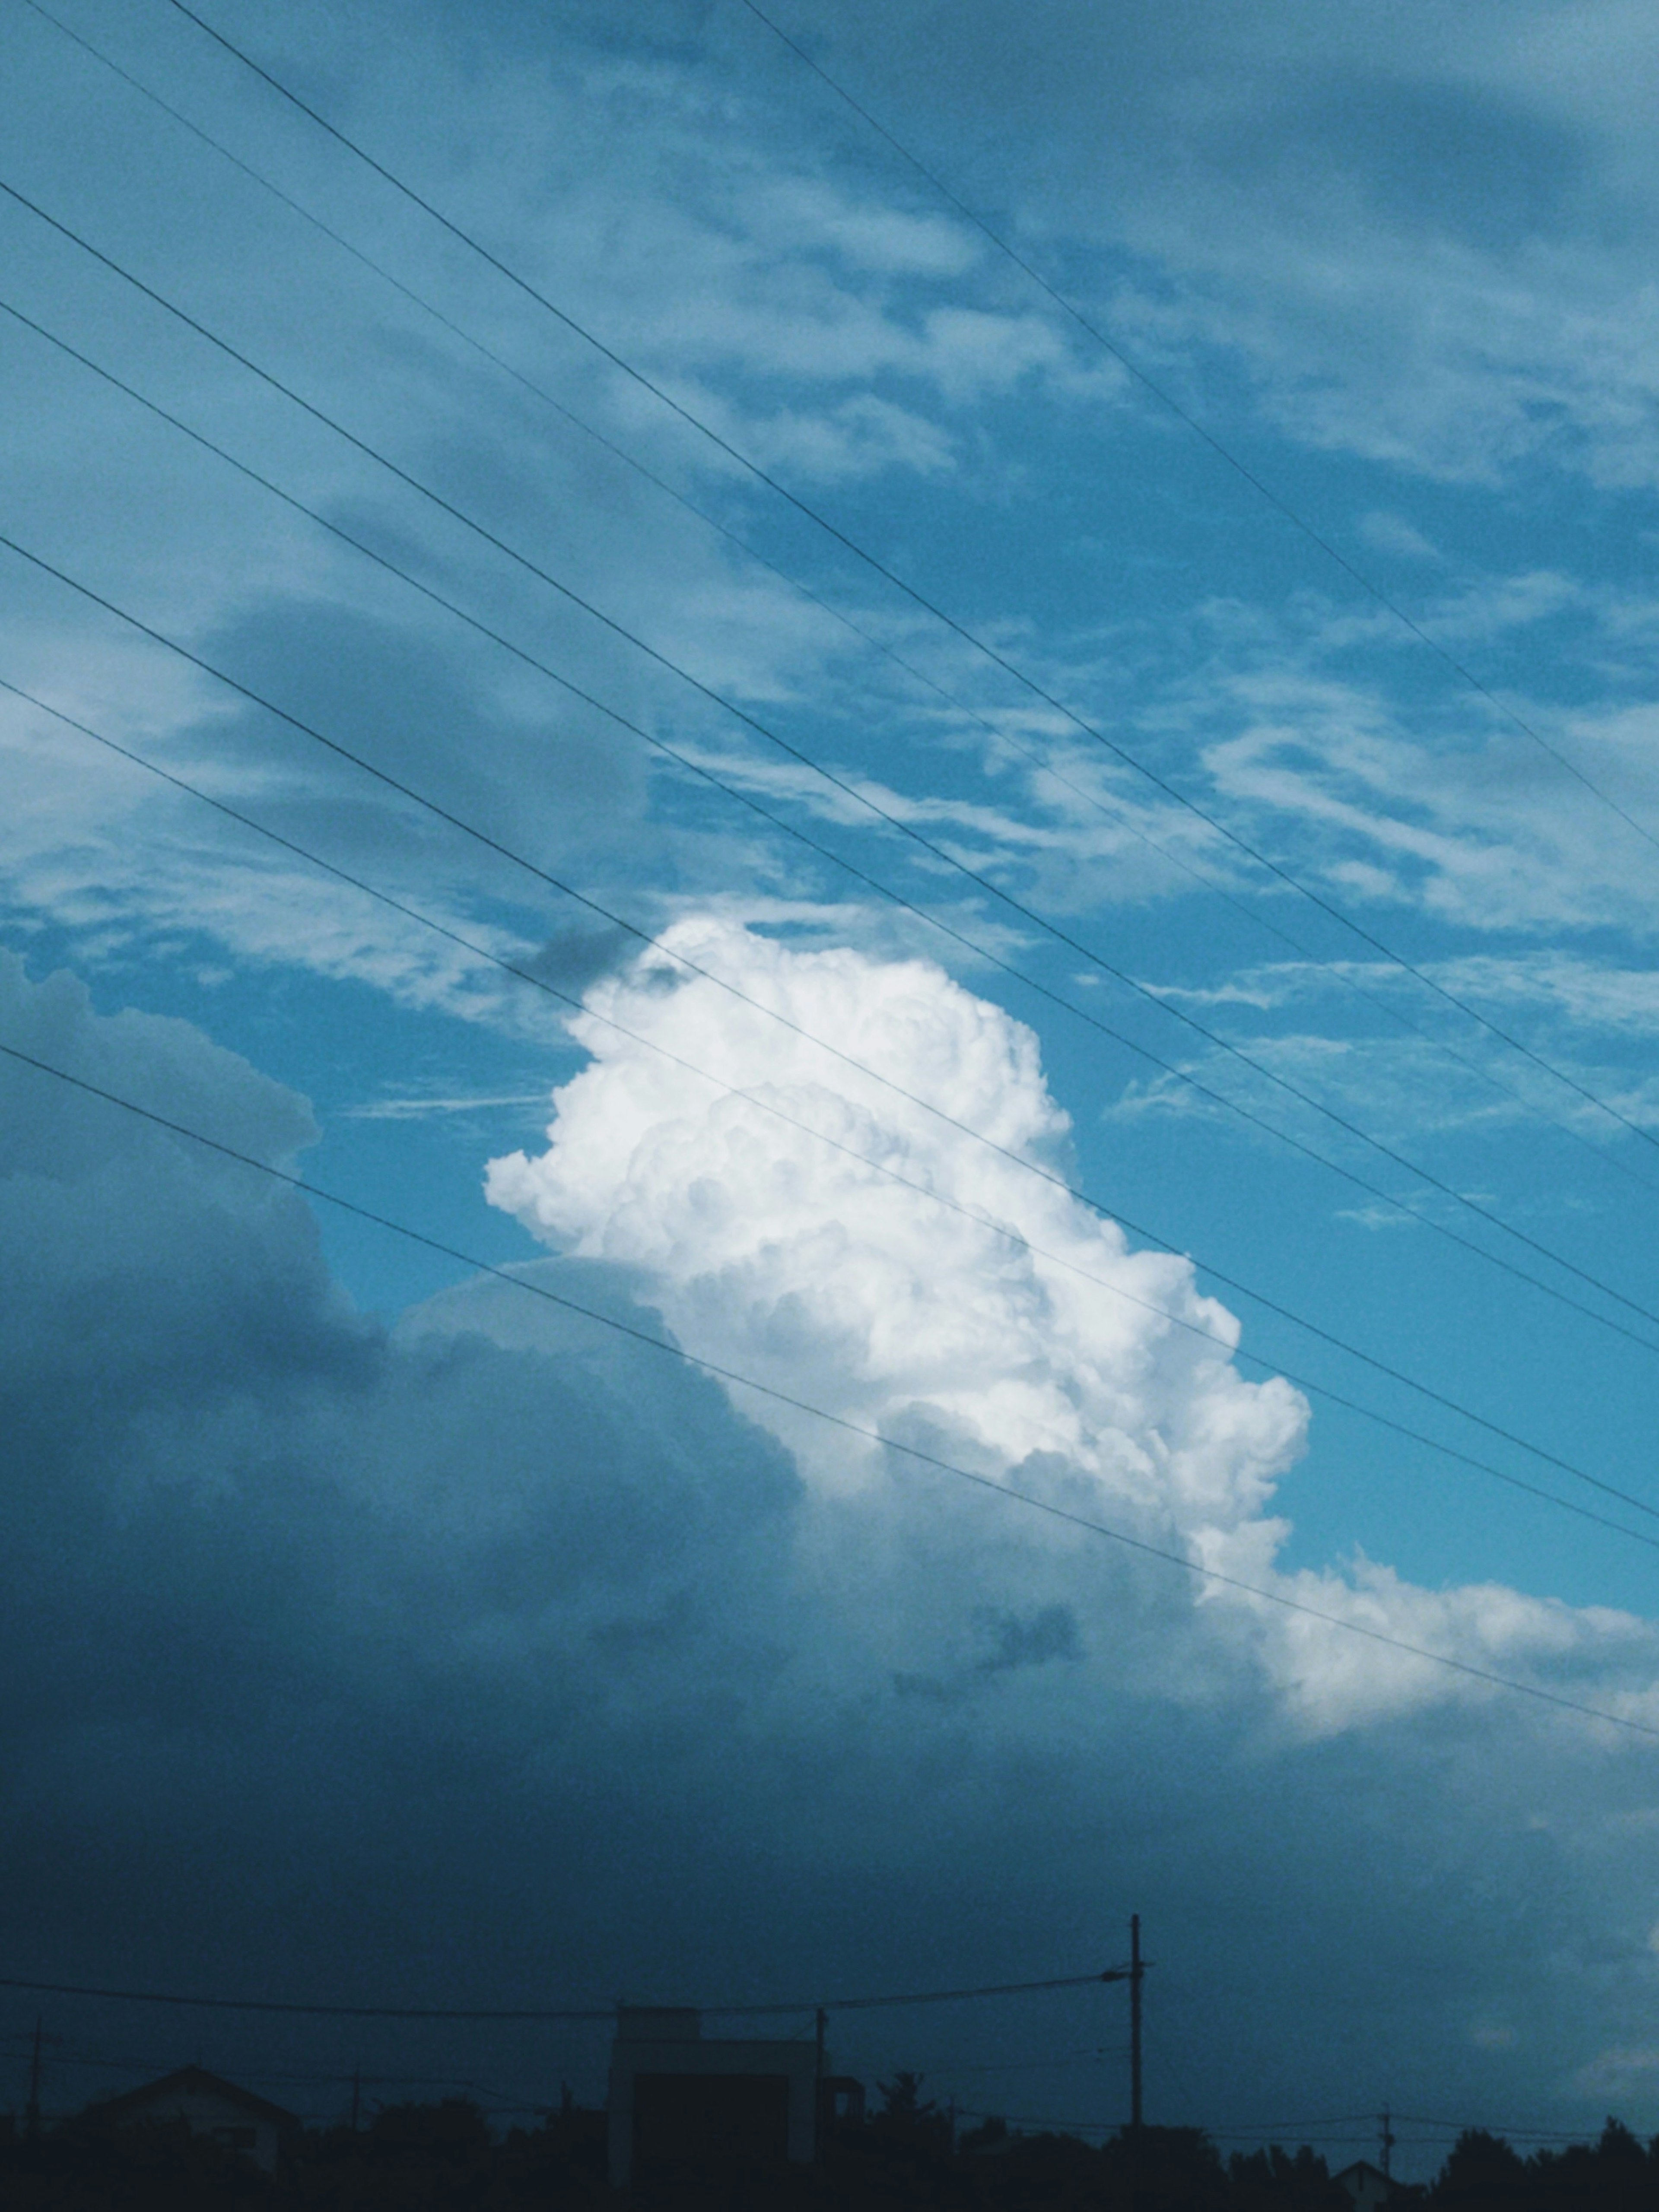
{"points": [[492, 1659], [274, 1583]]}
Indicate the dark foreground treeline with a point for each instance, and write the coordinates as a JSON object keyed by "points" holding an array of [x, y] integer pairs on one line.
{"points": [[445, 2158]]}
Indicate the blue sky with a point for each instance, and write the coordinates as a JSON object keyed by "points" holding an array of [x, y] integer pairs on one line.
{"points": [[1397, 269]]}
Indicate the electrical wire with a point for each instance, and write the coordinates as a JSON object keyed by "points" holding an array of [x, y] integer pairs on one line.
{"points": [[862, 798], [1471, 2127], [66, 2055], [1041, 1173], [1093, 2050], [1002, 736], [1545, 1494], [1311, 2137], [884, 1169], [1167, 398], [1117, 814], [555, 2015], [932, 1460], [692, 967], [1549, 1497], [810, 514], [1268, 2127], [926, 1996], [756, 11], [69, 2056]]}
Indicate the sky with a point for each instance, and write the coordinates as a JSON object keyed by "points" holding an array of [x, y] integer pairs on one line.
{"points": [[955, 710]]}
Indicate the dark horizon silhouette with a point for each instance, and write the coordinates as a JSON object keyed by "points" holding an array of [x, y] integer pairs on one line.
{"points": [[910, 2150]]}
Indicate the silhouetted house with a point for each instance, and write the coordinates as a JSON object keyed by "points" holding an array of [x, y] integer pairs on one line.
{"points": [[678, 2101], [231, 2116], [1367, 2186]]}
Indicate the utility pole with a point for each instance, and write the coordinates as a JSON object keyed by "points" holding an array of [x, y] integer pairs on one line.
{"points": [[820, 2116], [1137, 1975], [32, 2122], [1385, 2139]]}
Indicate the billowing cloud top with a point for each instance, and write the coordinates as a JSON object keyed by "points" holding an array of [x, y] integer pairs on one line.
{"points": [[1010, 1320], [898, 1250]]}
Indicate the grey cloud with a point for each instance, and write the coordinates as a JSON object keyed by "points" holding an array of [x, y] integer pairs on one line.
{"points": [[1447, 159], [573, 958], [1421, 239], [494, 1658], [540, 776], [1445, 123], [161, 1063]]}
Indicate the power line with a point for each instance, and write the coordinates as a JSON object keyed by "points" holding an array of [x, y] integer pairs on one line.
{"points": [[279, 492], [70, 2055], [859, 1067], [1099, 2127], [925, 1997], [1043, 2065], [1000, 735], [1167, 398], [840, 537], [566, 2016], [73, 2057], [1095, 2127], [733, 990], [1267, 2127], [932, 1460], [1526, 2135], [1312, 2137], [1531, 1489], [861, 799], [1308, 2131], [879, 1167], [1116, 814]]}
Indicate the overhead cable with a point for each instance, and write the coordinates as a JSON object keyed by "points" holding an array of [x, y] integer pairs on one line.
{"points": [[769, 1106], [916, 1454], [552, 2014], [861, 797], [1482, 2127], [1166, 399], [1116, 813], [775, 485], [566, 889]]}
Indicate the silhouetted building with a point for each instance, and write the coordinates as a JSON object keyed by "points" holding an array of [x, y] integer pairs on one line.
{"points": [[208, 2106], [680, 2101], [1367, 2185]]}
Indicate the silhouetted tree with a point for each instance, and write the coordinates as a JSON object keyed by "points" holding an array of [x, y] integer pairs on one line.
{"points": [[1273, 2177], [1483, 2173], [909, 2119], [991, 2134], [446, 2158], [1164, 2169]]}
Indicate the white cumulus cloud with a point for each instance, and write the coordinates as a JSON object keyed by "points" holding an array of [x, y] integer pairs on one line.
{"points": [[848, 1240]]}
